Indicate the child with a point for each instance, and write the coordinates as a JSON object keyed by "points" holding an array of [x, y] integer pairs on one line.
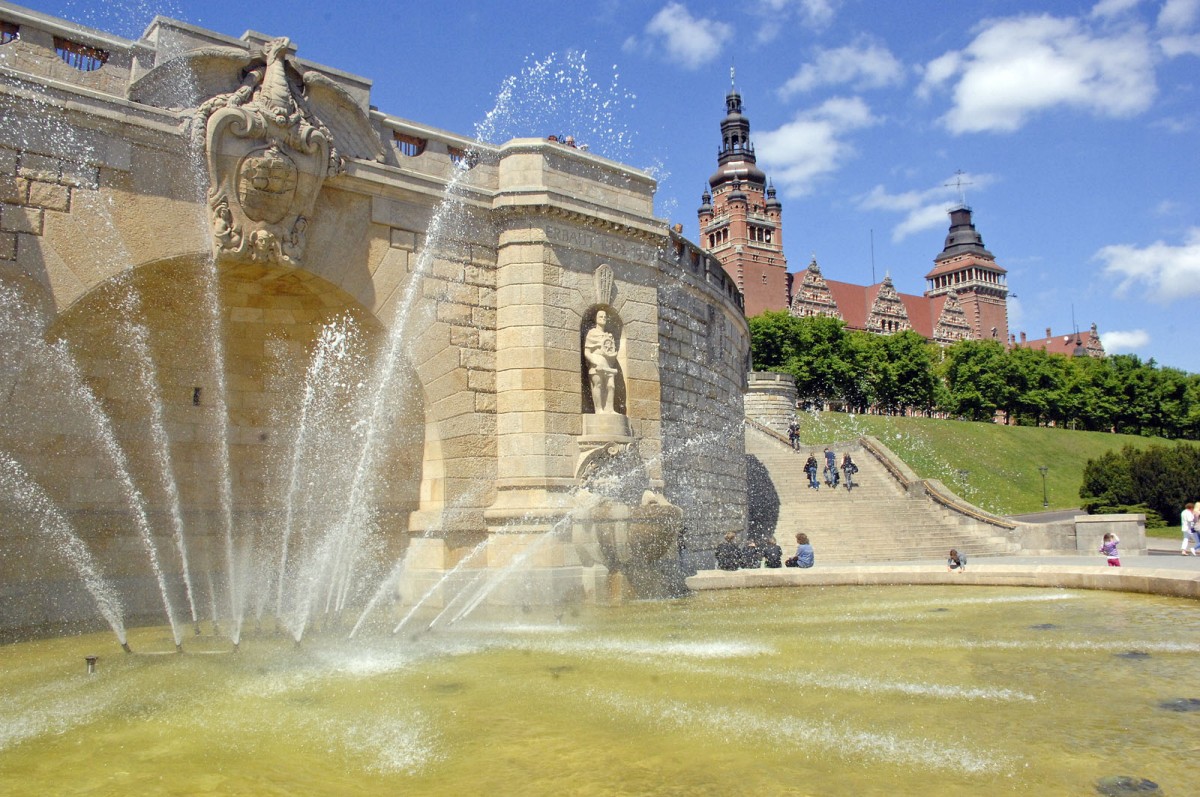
{"points": [[956, 561], [1109, 549]]}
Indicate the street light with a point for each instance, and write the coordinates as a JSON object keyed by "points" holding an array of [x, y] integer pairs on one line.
{"points": [[1045, 498]]}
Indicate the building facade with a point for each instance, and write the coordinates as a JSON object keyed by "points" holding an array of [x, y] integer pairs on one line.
{"points": [[740, 217], [741, 221]]}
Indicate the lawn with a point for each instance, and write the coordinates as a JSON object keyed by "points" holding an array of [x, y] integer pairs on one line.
{"points": [[991, 465]]}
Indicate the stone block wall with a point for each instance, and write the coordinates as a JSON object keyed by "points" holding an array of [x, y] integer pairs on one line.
{"points": [[106, 238], [703, 354]]}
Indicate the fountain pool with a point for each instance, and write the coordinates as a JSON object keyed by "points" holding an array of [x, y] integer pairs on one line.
{"points": [[897, 691]]}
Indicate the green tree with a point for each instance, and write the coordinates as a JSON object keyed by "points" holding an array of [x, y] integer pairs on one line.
{"points": [[814, 350], [974, 372], [906, 378]]}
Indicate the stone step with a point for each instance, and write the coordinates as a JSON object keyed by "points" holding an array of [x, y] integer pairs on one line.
{"points": [[878, 520]]}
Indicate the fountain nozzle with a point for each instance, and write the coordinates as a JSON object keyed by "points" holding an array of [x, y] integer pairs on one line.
{"points": [[179, 647], [91, 664], [237, 646], [196, 626], [125, 647]]}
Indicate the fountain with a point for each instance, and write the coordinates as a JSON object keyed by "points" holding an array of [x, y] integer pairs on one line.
{"points": [[409, 420]]}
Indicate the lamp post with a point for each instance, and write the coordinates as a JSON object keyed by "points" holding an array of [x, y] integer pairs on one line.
{"points": [[1045, 498]]}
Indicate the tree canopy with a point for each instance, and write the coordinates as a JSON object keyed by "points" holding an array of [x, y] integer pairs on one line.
{"points": [[975, 379]]}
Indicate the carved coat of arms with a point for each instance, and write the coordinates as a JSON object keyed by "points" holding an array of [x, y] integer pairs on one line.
{"points": [[267, 156]]}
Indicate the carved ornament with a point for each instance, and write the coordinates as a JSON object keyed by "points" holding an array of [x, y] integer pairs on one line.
{"points": [[267, 156]]}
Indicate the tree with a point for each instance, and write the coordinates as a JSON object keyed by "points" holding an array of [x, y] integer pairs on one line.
{"points": [[814, 350], [974, 371], [906, 378]]}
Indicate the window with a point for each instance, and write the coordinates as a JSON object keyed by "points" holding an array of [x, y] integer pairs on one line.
{"points": [[409, 145], [9, 32], [458, 155], [80, 56]]}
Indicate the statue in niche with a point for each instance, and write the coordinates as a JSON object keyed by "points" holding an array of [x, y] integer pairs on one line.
{"points": [[600, 351]]}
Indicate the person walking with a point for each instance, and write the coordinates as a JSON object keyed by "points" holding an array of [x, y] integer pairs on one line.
{"points": [[831, 472], [810, 468], [1187, 524], [794, 435], [849, 469]]}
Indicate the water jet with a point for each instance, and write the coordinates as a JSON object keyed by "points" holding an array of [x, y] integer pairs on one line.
{"points": [[446, 378]]}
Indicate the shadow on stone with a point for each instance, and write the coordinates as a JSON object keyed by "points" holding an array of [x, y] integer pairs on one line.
{"points": [[763, 500]]}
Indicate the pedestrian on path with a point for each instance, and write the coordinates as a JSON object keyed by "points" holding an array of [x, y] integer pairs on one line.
{"points": [[810, 468], [1109, 549], [1187, 524], [831, 471]]}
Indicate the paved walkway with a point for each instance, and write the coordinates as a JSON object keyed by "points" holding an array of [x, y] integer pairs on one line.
{"points": [[1161, 571]]}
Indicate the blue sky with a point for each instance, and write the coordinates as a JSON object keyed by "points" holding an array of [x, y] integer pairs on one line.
{"points": [[1075, 125]]}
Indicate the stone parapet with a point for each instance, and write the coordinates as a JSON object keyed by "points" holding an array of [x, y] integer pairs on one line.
{"points": [[771, 399], [1066, 575]]}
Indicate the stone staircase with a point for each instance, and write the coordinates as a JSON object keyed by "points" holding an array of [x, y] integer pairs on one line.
{"points": [[888, 516]]}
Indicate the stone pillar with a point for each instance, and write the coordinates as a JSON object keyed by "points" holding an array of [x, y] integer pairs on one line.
{"points": [[537, 383], [771, 399]]}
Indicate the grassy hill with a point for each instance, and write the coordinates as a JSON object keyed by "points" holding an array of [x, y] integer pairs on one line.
{"points": [[1001, 462]]}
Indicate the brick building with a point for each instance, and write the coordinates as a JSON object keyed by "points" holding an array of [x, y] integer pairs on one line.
{"points": [[966, 293], [741, 218]]}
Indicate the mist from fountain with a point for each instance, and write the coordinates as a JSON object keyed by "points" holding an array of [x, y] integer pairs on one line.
{"points": [[31, 499], [328, 571]]}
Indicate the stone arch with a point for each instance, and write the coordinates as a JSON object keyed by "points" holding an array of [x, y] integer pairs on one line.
{"points": [[271, 318]]}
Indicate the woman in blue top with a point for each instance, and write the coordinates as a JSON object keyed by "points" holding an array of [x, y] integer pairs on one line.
{"points": [[804, 551]]}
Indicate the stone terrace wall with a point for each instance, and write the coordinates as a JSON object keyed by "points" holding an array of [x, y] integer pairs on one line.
{"points": [[704, 353]]}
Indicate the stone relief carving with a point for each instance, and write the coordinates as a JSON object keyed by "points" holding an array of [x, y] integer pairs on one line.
{"points": [[267, 157]]}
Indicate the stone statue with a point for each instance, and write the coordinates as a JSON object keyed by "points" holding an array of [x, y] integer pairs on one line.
{"points": [[600, 351]]}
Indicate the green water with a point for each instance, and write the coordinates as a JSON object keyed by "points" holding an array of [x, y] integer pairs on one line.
{"points": [[837, 691]]}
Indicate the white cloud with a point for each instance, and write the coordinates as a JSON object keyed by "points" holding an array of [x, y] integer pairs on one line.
{"points": [[1178, 15], [1124, 341], [1016, 312], [1173, 46], [812, 145], [1113, 8], [687, 41], [776, 14], [1164, 272], [923, 210], [1018, 66], [863, 64]]}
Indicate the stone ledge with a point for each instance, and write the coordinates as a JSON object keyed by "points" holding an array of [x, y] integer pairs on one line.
{"points": [[1154, 581]]}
